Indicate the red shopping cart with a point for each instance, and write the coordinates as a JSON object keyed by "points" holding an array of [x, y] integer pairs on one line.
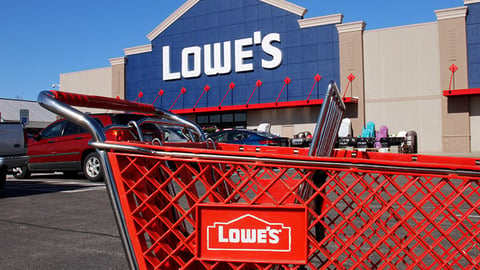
{"points": [[207, 205]]}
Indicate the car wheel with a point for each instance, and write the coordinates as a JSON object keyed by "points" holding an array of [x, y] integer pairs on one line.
{"points": [[92, 168], [21, 172], [3, 177]]}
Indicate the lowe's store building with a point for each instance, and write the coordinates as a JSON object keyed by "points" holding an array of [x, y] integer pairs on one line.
{"points": [[230, 63]]}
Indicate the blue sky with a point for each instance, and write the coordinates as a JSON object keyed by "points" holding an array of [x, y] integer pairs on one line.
{"points": [[42, 39]]}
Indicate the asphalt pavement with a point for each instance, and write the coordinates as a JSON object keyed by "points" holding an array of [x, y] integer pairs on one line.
{"points": [[52, 222]]}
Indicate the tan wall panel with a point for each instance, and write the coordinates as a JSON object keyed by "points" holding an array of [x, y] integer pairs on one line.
{"points": [[285, 122], [402, 62], [422, 116], [475, 123], [89, 82], [402, 82], [453, 50], [118, 77], [118, 82], [456, 115], [352, 62]]}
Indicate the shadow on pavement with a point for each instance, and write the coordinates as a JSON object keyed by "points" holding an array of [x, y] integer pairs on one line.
{"points": [[38, 184]]}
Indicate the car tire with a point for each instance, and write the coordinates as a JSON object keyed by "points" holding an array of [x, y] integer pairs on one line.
{"points": [[3, 177], [92, 167], [21, 172]]}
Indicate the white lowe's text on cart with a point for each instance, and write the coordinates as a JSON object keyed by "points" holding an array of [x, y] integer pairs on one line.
{"points": [[236, 235], [259, 235]]}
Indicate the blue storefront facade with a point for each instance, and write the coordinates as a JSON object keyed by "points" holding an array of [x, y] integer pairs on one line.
{"points": [[230, 44], [230, 63], [473, 44]]}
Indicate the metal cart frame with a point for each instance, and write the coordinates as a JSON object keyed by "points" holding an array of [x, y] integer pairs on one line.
{"points": [[193, 205]]}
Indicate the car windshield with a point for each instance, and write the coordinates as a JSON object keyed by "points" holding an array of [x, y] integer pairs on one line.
{"points": [[268, 135], [173, 134]]}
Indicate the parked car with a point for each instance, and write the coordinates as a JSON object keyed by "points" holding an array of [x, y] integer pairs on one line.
{"points": [[63, 146], [302, 139], [251, 137], [13, 148]]}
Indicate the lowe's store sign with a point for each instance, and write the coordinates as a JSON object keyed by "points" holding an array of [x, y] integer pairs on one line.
{"points": [[213, 51], [218, 61]]}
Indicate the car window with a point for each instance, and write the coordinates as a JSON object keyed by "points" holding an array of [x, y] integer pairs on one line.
{"points": [[213, 136], [221, 137], [151, 131], [236, 136], [71, 129], [173, 136], [84, 130], [247, 136], [54, 130]]}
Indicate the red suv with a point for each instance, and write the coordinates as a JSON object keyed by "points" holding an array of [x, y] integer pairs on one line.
{"points": [[63, 147]]}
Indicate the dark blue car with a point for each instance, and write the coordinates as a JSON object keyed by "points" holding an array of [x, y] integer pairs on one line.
{"points": [[250, 137]]}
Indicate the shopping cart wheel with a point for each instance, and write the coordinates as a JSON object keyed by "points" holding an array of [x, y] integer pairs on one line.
{"points": [[92, 168]]}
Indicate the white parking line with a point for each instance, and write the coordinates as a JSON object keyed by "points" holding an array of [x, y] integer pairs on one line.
{"points": [[470, 216], [84, 189], [59, 185]]}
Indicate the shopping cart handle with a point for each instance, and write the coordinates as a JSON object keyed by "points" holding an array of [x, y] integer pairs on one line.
{"points": [[101, 102], [328, 123], [61, 103]]}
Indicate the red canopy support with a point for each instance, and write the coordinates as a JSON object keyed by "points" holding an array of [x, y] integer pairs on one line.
{"points": [[205, 89], [140, 94], [182, 91], [350, 80], [453, 68], [230, 87], [317, 79], [160, 93], [257, 84], [286, 82]]}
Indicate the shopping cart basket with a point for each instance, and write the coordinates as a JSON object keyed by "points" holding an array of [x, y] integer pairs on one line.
{"points": [[206, 205]]}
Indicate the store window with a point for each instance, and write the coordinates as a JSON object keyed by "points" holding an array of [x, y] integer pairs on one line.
{"points": [[223, 120]]}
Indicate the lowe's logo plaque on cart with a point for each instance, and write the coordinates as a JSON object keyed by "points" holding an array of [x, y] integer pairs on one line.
{"points": [[253, 234], [249, 232]]}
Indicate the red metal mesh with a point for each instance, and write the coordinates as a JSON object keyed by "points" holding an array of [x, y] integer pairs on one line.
{"points": [[360, 218]]}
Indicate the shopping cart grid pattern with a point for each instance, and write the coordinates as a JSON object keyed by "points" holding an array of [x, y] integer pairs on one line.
{"points": [[359, 218], [358, 210]]}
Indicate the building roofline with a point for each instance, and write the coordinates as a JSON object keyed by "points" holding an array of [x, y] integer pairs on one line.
{"points": [[351, 27], [138, 49], [319, 21], [451, 13], [171, 19], [467, 2], [285, 5]]}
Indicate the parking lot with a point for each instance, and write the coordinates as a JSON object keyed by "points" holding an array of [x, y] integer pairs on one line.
{"points": [[53, 222]]}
